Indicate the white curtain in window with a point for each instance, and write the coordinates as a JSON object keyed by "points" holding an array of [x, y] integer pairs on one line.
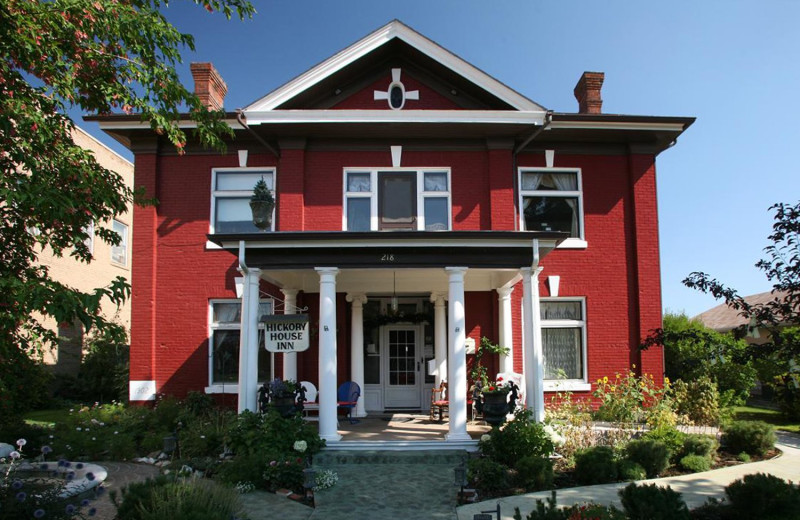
{"points": [[358, 182], [435, 182], [569, 182], [531, 181], [562, 353], [561, 310]]}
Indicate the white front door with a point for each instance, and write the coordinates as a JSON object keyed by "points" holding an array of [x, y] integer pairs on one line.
{"points": [[403, 368]]}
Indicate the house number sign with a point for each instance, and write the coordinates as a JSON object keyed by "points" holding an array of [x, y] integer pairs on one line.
{"points": [[286, 332]]}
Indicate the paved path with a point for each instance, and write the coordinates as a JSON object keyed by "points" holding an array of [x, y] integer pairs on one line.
{"points": [[696, 488]]}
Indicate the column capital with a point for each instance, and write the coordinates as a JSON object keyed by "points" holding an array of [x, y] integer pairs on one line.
{"points": [[290, 293], [531, 271], [356, 298], [456, 272], [438, 298], [327, 271], [504, 293]]}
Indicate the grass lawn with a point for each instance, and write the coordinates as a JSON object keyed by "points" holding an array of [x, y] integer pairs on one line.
{"points": [[47, 417], [750, 413]]}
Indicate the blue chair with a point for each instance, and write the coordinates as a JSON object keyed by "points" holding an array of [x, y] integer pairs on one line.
{"points": [[347, 397]]}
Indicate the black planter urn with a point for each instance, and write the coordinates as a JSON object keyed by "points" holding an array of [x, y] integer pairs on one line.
{"points": [[262, 213], [495, 407]]}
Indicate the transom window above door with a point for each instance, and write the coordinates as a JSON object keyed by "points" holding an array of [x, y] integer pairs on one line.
{"points": [[396, 199]]}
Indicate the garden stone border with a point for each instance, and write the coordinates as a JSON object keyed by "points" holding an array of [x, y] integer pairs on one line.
{"points": [[80, 484]]}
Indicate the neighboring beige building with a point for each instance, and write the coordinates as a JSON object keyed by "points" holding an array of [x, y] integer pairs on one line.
{"points": [[724, 319], [108, 263]]}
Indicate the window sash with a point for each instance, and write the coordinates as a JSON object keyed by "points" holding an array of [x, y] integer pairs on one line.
{"points": [[551, 191], [231, 189], [564, 347], [224, 339], [119, 253]]}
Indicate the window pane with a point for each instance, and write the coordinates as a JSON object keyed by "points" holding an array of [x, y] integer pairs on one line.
{"points": [[264, 309], [119, 254], [398, 200], [561, 310], [227, 312], [358, 213], [435, 213], [562, 353], [264, 361], [551, 214], [435, 181], [358, 182], [233, 215], [225, 364], [549, 181], [242, 181]]}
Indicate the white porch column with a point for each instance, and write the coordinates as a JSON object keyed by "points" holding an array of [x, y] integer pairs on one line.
{"points": [[457, 375], [440, 337], [357, 348], [248, 342], [290, 358], [505, 333], [532, 351], [327, 353]]}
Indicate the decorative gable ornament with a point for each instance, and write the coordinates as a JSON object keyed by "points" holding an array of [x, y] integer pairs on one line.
{"points": [[396, 94]]}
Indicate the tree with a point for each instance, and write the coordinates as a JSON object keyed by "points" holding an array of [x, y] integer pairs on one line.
{"points": [[101, 56], [781, 315]]}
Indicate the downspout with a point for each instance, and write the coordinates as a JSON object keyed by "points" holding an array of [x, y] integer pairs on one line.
{"points": [[240, 118], [548, 118]]}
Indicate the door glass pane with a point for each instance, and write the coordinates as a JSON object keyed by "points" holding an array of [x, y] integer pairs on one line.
{"points": [[435, 214], [398, 197], [358, 214], [402, 357]]}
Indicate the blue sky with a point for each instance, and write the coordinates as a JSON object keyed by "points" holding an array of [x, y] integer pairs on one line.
{"points": [[732, 64]]}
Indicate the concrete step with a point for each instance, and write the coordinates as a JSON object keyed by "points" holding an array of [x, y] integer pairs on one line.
{"points": [[331, 458], [471, 445]]}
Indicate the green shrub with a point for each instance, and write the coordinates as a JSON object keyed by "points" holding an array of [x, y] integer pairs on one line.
{"points": [[284, 472], [203, 434], [743, 457], [254, 433], [249, 468], [195, 499], [651, 502], [672, 438], [697, 444], [765, 497], [488, 476], [199, 404], [695, 463], [520, 437], [752, 437], [534, 473], [652, 455], [551, 511], [629, 470], [596, 465]]}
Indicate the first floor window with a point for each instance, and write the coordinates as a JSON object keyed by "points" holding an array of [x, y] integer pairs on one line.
{"points": [[119, 253], [224, 342], [551, 200], [563, 339], [231, 190]]}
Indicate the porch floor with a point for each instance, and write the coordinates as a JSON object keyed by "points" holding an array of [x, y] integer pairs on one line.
{"points": [[402, 427]]}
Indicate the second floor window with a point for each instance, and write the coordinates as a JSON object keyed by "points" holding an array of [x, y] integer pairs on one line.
{"points": [[119, 253], [231, 189], [386, 200], [551, 200]]}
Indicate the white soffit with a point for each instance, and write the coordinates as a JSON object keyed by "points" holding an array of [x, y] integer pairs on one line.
{"points": [[394, 29]]}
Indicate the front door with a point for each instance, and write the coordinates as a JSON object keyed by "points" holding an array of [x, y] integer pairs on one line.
{"points": [[403, 366]]}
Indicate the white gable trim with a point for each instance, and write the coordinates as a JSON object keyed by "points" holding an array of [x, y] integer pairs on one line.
{"points": [[395, 116], [394, 29]]}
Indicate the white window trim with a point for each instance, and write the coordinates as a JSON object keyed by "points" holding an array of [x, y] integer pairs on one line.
{"points": [[572, 242], [237, 193], [421, 194], [561, 385], [90, 241], [124, 239], [229, 388]]}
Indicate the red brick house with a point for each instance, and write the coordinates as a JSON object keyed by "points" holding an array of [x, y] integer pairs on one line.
{"points": [[420, 206]]}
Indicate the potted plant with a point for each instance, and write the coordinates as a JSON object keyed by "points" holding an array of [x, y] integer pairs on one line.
{"points": [[281, 395], [495, 401], [262, 203]]}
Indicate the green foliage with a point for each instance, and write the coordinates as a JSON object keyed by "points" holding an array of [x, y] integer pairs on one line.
{"points": [[698, 444], [596, 466], [695, 463], [651, 454], [284, 472], [96, 55], [178, 498], [672, 438], [551, 511], [698, 400], [477, 372], [24, 382], [262, 193], [626, 397], [488, 475], [765, 497], [743, 457], [248, 468], [518, 438], [629, 470], [534, 473], [651, 502], [693, 351], [103, 374], [752, 437], [254, 433], [785, 380]]}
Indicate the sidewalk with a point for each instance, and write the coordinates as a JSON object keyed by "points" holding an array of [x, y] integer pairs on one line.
{"points": [[696, 488]]}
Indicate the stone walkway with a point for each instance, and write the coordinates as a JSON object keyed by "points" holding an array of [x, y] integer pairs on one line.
{"points": [[696, 488]]}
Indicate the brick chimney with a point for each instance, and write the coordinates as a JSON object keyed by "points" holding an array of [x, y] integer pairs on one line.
{"points": [[587, 92], [208, 85]]}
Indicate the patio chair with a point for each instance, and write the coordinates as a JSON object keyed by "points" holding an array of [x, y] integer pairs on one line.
{"points": [[439, 402], [310, 396], [347, 397]]}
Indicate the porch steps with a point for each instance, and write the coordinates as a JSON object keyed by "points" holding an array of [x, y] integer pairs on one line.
{"points": [[388, 484], [411, 446]]}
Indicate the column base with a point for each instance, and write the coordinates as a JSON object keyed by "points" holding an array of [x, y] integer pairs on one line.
{"points": [[359, 415], [457, 437], [331, 438]]}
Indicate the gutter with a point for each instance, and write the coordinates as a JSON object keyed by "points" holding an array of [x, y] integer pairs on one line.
{"points": [[241, 120]]}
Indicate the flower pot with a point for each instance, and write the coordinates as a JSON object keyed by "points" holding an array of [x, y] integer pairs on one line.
{"points": [[262, 213], [495, 407], [286, 406]]}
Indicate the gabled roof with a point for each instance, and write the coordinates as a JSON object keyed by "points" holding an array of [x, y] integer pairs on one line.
{"points": [[393, 31], [723, 318]]}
